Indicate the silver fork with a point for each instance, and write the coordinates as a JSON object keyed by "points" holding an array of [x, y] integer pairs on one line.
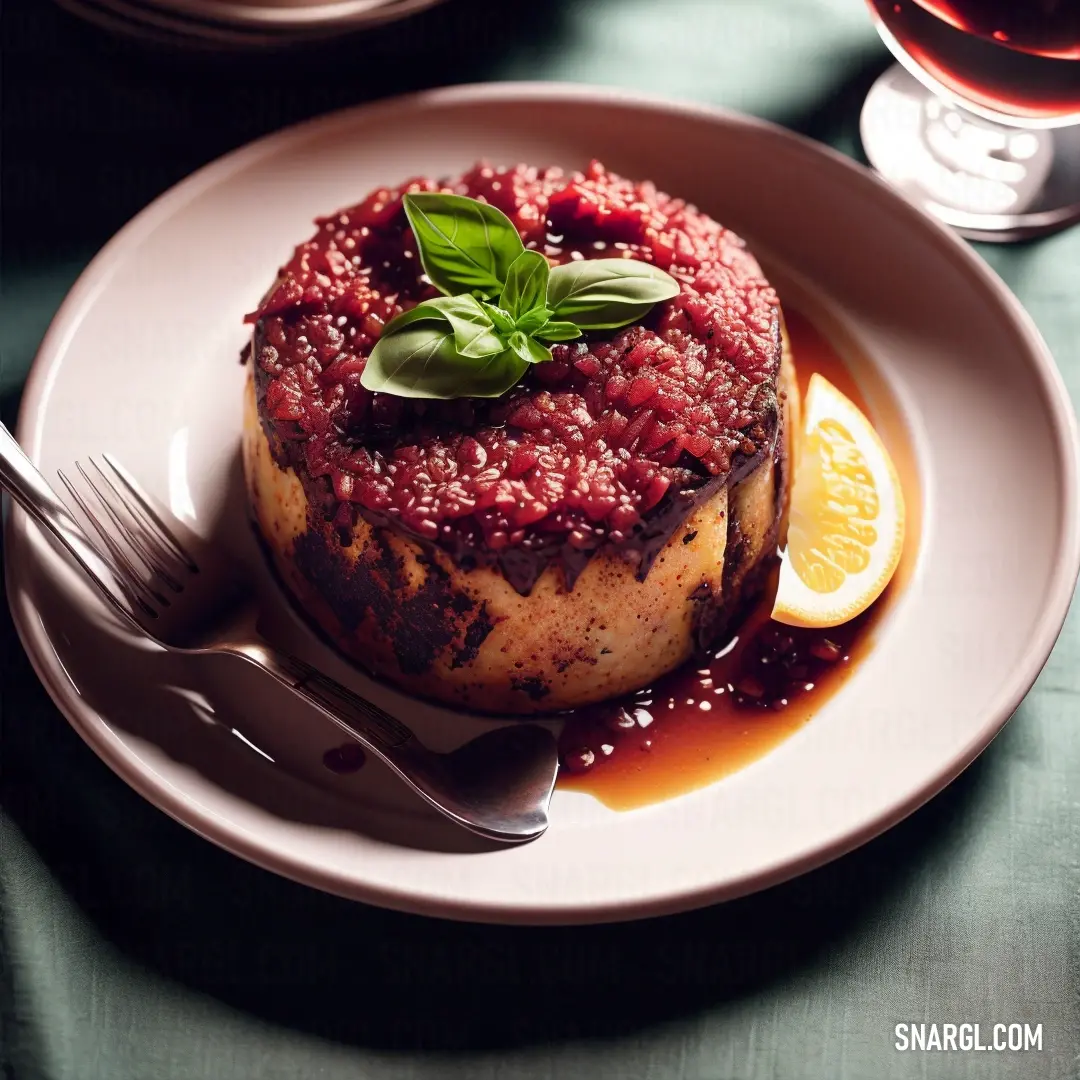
{"points": [[498, 785]]}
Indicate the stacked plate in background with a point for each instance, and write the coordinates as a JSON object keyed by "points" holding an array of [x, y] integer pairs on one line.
{"points": [[240, 23]]}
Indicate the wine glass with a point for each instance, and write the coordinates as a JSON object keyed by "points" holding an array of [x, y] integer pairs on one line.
{"points": [[980, 120]]}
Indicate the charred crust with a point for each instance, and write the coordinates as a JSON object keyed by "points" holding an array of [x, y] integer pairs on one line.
{"points": [[422, 625], [475, 635], [532, 686]]}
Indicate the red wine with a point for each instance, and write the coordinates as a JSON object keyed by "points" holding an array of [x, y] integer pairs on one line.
{"points": [[1018, 58]]}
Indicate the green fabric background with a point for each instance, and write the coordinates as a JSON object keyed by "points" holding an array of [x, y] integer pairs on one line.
{"points": [[132, 950]]}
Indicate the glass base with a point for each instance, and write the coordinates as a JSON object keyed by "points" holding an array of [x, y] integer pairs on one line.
{"points": [[988, 181]]}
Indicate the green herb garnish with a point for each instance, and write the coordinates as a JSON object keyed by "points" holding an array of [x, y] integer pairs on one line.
{"points": [[501, 303]]}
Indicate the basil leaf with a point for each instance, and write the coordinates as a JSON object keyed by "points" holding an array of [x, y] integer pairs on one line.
{"points": [[532, 352], [418, 362], [502, 321], [559, 331], [465, 246], [526, 284], [601, 294], [474, 334], [463, 344], [421, 361], [495, 375], [531, 321]]}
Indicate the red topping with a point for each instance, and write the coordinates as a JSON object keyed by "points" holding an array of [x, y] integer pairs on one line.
{"points": [[583, 447]]}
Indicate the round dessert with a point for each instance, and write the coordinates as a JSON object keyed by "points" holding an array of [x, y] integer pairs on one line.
{"points": [[595, 526]]}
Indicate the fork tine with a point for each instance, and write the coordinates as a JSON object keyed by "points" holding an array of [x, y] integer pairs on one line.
{"points": [[127, 575], [145, 545], [153, 518]]}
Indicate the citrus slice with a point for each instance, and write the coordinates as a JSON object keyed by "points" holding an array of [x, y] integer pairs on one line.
{"points": [[846, 526]]}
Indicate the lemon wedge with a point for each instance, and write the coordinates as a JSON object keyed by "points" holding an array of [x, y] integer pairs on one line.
{"points": [[846, 526]]}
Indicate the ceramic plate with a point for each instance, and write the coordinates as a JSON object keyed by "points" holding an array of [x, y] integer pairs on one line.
{"points": [[294, 15], [210, 24], [142, 361]]}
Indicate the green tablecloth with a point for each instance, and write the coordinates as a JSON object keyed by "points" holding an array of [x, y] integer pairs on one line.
{"points": [[132, 950]]}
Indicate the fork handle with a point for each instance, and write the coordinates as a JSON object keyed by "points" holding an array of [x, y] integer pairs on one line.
{"points": [[422, 769], [350, 711], [25, 484], [364, 722], [354, 715]]}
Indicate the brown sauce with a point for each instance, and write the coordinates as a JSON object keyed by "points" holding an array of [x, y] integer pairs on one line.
{"points": [[347, 758], [705, 721]]}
